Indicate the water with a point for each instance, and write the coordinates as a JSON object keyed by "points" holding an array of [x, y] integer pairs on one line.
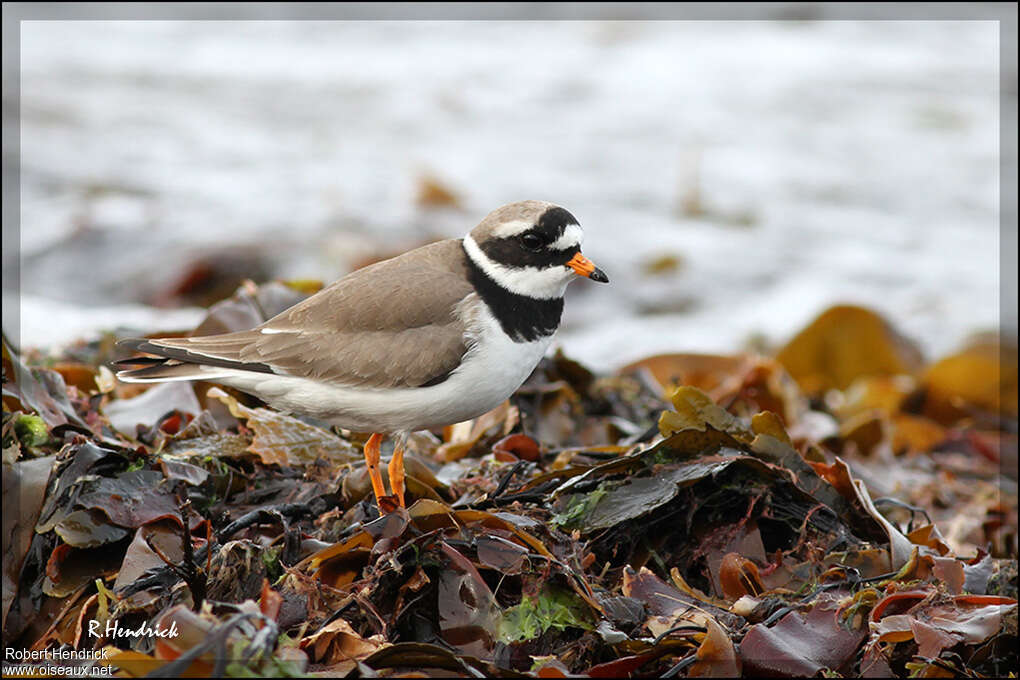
{"points": [[780, 166]]}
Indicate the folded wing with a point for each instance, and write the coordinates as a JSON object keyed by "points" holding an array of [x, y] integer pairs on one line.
{"points": [[393, 324]]}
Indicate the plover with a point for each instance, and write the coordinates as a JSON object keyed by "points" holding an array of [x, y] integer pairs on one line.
{"points": [[438, 335]]}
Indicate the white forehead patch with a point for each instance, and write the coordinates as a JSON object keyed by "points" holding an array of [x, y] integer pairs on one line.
{"points": [[572, 237], [508, 229]]}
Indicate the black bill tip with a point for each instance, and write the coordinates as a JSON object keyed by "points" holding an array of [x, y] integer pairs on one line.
{"points": [[599, 275]]}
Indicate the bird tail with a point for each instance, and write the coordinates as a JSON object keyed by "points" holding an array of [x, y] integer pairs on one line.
{"points": [[170, 364]]}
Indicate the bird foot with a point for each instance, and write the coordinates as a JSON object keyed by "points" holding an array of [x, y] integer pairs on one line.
{"points": [[386, 503]]}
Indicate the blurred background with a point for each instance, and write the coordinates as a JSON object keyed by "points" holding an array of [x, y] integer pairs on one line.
{"points": [[734, 178]]}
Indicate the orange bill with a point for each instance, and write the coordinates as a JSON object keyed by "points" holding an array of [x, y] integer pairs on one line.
{"points": [[582, 266]]}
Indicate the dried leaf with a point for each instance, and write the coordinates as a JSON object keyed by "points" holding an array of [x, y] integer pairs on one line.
{"points": [[132, 664], [69, 569], [913, 433], [501, 554], [462, 437], [613, 504], [126, 415], [88, 529], [802, 644], [39, 390], [668, 606], [929, 536], [977, 575], [739, 577], [838, 474], [283, 440], [769, 424], [76, 464], [520, 445], [419, 657], [139, 558], [215, 445], [703, 371], [432, 193], [185, 472], [695, 410], [133, 498], [186, 630], [949, 570], [931, 640], [843, 344], [24, 488], [468, 612], [983, 375], [681, 583], [974, 624], [337, 642], [895, 628], [340, 565], [716, 657]]}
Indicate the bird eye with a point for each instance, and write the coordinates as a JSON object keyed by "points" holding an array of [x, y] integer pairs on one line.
{"points": [[532, 241]]}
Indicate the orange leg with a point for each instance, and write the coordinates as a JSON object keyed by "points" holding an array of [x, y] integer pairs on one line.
{"points": [[372, 460], [397, 473]]}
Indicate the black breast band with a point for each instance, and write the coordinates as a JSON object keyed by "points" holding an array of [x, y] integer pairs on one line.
{"points": [[523, 318]]}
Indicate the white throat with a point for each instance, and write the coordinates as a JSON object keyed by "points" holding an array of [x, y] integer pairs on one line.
{"points": [[547, 283]]}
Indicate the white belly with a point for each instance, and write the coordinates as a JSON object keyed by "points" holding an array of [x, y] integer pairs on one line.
{"points": [[492, 369]]}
